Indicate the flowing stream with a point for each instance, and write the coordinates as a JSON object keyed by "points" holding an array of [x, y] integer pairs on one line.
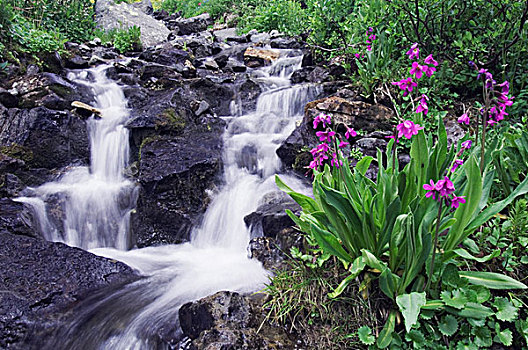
{"points": [[98, 205]]}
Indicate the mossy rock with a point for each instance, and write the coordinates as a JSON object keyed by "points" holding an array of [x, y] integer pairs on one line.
{"points": [[172, 120], [18, 152]]}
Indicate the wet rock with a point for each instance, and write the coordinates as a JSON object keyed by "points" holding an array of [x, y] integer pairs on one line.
{"points": [[76, 62], [40, 280], [193, 25], [224, 34], [274, 253], [15, 218], [257, 57], [8, 99], [228, 320], [168, 55], [249, 91], [110, 15]]}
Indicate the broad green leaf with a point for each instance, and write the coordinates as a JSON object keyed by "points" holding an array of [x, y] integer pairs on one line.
{"points": [[522, 328], [505, 309], [466, 255], [355, 269], [372, 261], [329, 243], [363, 165], [307, 203], [450, 276], [492, 280], [505, 337], [462, 346], [448, 325], [365, 335], [416, 337], [410, 305], [385, 336], [433, 305], [472, 310], [483, 294], [455, 298], [388, 282]]}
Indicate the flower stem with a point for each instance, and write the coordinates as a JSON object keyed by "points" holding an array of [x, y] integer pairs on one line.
{"points": [[431, 269], [484, 124]]}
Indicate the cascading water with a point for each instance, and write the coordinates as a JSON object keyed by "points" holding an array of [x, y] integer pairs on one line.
{"points": [[216, 258], [95, 203]]}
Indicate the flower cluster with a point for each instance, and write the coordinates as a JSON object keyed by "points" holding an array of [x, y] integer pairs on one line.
{"points": [[443, 190], [327, 150], [498, 95], [370, 38], [417, 70]]}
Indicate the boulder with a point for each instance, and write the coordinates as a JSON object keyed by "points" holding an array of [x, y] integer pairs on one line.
{"points": [[228, 320], [186, 26], [40, 280], [257, 57], [110, 15]]}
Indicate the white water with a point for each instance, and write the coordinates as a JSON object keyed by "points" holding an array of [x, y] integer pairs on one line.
{"points": [[216, 258], [94, 203]]}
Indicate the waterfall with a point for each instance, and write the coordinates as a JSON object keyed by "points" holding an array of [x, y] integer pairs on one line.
{"points": [[94, 203], [216, 257]]}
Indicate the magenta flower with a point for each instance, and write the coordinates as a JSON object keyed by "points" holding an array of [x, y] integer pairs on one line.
{"points": [[445, 187], [417, 70], [325, 135], [321, 118], [357, 55], [407, 85], [408, 129], [350, 133], [322, 148], [370, 29], [422, 107], [456, 164], [343, 144], [369, 48], [414, 52], [457, 200], [464, 119], [429, 71], [466, 144], [431, 188], [430, 60], [372, 37], [505, 87]]}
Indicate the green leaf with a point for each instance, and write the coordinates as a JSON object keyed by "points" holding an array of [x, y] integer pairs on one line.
{"points": [[448, 325], [365, 335], [410, 305], [385, 336], [329, 243], [505, 310], [416, 337], [482, 336], [462, 346], [355, 269], [455, 298], [388, 282], [472, 310], [363, 165], [505, 337], [522, 328], [434, 305], [492, 280], [483, 294], [466, 255], [450, 276]]}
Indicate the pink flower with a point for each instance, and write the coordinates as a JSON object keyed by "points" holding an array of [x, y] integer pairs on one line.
{"points": [[456, 164], [430, 60], [464, 119], [414, 52], [372, 37], [321, 118], [431, 187], [322, 148], [408, 129], [466, 144], [357, 55], [325, 135], [369, 48], [350, 133], [407, 85], [417, 70], [343, 144], [445, 187], [429, 71], [422, 107], [336, 162], [457, 200], [505, 87]]}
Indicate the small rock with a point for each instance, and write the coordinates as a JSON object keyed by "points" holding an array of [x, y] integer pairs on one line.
{"points": [[76, 62]]}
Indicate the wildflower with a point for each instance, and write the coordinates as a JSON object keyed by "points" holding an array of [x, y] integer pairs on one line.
{"points": [[372, 37], [320, 149], [321, 118], [445, 187], [343, 144], [456, 164], [457, 200], [350, 133], [429, 71], [505, 87], [466, 144], [370, 29], [422, 107], [430, 60], [417, 70], [431, 188], [325, 135], [414, 52], [357, 55], [336, 162], [464, 119], [407, 85], [471, 64], [369, 48], [408, 129]]}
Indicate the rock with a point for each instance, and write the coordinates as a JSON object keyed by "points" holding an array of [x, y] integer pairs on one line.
{"points": [[8, 99], [228, 320], [249, 91], [256, 57], [40, 280], [202, 107], [168, 55], [76, 62], [274, 253], [211, 64], [110, 15], [193, 25], [285, 43], [270, 217], [15, 218], [223, 34], [84, 107]]}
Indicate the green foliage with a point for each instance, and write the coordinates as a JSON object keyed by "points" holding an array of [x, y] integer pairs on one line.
{"points": [[286, 16], [127, 39]]}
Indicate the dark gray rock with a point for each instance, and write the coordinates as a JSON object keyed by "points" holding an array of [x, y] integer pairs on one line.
{"points": [[15, 218], [40, 280], [193, 25], [8, 99], [76, 62]]}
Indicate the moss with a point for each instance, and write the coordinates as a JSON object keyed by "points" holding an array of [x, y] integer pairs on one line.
{"points": [[18, 152], [60, 90], [302, 160], [146, 141], [171, 120]]}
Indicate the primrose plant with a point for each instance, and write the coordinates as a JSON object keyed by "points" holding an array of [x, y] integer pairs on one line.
{"points": [[406, 229]]}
